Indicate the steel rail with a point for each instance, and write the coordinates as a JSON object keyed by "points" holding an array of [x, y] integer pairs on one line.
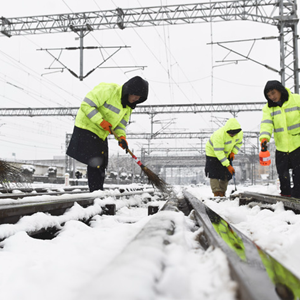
{"points": [[8, 192], [246, 198], [259, 275], [55, 204], [27, 192]]}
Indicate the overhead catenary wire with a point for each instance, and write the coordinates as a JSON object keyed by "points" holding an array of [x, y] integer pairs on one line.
{"points": [[42, 80], [46, 147], [168, 51], [43, 128], [27, 91], [161, 65]]}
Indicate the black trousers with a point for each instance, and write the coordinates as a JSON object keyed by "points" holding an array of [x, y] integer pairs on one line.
{"points": [[284, 162], [96, 178], [215, 170], [86, 147]]}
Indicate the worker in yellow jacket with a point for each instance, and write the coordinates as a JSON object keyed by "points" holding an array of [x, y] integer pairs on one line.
{"points": [[108, 105], [281, 116], [220, 149]]}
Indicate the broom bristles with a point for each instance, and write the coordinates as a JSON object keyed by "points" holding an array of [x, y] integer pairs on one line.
{"points": [[10, 174], [156, 180]]}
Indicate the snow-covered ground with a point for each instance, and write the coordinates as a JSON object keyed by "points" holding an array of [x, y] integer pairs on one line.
{"points": [[106, 261]]}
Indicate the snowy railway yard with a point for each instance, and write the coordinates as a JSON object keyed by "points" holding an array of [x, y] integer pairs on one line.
{"points": [[114, 244]]}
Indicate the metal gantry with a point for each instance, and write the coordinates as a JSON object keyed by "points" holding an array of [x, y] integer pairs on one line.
{"points": [[202, 134], [189, 159], [185, 135], [279, 13], [152, 110], [257, 11]]}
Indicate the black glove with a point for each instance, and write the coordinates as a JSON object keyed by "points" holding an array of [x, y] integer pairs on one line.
{"points": [[123, 143], [263, 145]]}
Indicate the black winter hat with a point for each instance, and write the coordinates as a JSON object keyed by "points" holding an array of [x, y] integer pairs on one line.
{"points": [[135, 86], [233, 131], [275, 85]]}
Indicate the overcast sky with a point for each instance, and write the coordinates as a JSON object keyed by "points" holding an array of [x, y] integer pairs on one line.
{"points": [[180, 66]]}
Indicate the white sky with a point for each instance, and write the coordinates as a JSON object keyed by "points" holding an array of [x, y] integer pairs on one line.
{"points": [[181, 69], [106, 261]]}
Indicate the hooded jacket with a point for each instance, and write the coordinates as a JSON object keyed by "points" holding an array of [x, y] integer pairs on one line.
{"points": [[109, 101], [276, 85], [221, 144], [282, 119], [134, 86]]}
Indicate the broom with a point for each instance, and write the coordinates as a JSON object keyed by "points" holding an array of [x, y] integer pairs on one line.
{"points": [[152, 177], [8, 174]]}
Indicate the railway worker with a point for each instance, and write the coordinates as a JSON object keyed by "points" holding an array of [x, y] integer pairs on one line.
{"points": [[220, 150], [107, 105], [281, 115]]}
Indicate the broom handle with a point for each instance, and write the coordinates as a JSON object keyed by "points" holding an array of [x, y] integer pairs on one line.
{"points": [[133, 156]]}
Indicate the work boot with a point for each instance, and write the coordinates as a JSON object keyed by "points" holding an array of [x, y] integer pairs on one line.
{"points": [[217, 194], [222, 194]]}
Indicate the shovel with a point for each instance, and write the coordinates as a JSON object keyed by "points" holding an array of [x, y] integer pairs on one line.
{"points": [[233, 177]]}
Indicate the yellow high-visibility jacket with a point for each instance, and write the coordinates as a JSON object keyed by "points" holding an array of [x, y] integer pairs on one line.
{"points": [[221, 144], [284, 121], [103, 103]]}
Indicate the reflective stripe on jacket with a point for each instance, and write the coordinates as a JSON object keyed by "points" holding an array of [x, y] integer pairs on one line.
{"points": [[103, 103], [284, 122], [221, 144]]}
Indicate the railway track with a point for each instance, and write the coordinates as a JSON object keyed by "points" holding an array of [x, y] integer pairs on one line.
{"points": [[13, 207], [258, 275], [53, 191]]}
